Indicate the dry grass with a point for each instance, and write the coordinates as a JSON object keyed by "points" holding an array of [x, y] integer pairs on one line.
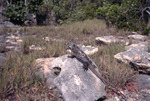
{"points": [[17, 70], [79, 31], [18, 74], [50, 49], [118, 74], [7, 30]]}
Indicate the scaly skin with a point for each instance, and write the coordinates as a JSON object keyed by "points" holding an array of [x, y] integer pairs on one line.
{"points": [[80, 55]]}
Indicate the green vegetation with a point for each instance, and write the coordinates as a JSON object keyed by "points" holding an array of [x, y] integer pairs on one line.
{"points": [[124, 14], [17, 73], [16, 13]]}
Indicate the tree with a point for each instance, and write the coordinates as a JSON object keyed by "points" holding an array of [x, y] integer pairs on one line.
{"points": [[130, 15]]}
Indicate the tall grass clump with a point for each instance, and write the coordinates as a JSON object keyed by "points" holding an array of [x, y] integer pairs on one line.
{"points": [[119, 74], [49, 49], [5, 30], [17, 74]]}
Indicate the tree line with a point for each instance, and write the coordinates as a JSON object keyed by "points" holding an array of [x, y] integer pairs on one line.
{"points": [[124, 14]]}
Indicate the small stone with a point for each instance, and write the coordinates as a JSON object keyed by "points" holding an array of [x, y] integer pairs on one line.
{"points": [[8, 41], [135, 33], [19, 40], [33, 47], [46, 39], [127, 43], [12, 43], [10, 47]]}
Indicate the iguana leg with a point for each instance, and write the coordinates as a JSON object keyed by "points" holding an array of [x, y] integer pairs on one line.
{"points": [[71, 56], [85, 66]]}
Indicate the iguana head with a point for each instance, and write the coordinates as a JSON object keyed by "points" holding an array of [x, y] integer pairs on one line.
{"points": [[71, 45]]}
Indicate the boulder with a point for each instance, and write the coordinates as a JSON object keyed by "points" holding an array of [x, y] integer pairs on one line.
{"points": [[144, 87], [74, 83], [137, 37], [137, 47], [88, 50], [45, 71], [106, 40], [137, 56], [8, 24]]}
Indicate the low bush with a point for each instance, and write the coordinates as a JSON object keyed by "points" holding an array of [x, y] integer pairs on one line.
{"points": [[16, 13]]}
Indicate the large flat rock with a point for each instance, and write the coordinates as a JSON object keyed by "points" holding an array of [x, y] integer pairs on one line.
{"points": [[45, 71], [88, 50], [106, 40], [138, 55], [137, 37], [74, 83]]}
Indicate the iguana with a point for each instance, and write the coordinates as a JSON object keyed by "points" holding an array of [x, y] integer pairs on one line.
{"points": [[88, 63]]}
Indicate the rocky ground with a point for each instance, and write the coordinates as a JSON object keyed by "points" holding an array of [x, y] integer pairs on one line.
{"points": [[136, 54]]}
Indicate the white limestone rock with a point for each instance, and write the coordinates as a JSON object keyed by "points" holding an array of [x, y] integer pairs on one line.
{"points": [[106, 40], [45, 71], [138, 55], [35, 48], [137, 37], [74, 83], [88, 50]]}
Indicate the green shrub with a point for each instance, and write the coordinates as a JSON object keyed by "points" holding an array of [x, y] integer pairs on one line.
{"points": [[90, 10], [110, 13], [146, 31], [16, 13], [114, 15]]}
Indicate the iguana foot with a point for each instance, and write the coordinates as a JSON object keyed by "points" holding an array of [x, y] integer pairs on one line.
{"points": [[85, 66], [71, 56]]}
